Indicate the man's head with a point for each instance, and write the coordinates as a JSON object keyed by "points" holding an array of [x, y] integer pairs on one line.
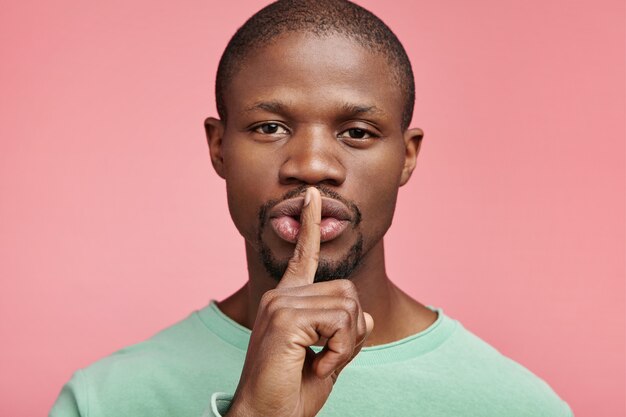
{"points": [[321, 18], [313, 93]]}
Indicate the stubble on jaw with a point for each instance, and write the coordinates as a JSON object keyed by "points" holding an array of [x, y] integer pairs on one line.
{"points": [[326, 270]]}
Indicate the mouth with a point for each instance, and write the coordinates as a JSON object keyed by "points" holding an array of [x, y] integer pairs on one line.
{"points": [[285, 219]]}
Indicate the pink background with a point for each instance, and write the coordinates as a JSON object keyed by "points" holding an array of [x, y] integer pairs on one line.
{"points": [[113, 224]]}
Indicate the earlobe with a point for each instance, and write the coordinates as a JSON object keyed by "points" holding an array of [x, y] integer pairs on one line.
{"points": [[412, 141], [214, 133]]}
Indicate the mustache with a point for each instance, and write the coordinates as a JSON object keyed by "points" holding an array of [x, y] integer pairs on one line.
{"points": [[324, 192]]}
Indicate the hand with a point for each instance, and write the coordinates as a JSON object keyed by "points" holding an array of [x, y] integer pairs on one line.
{"points": [[282, 375]]}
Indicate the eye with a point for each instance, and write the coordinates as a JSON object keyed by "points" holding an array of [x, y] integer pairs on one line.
{"points": [[356, 133], [270, 129]]}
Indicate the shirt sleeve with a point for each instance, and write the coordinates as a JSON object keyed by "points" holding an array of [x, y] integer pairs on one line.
{"points": [[72, 399]]}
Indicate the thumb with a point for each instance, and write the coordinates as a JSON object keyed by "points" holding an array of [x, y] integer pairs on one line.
{"points": [[369, 324]]}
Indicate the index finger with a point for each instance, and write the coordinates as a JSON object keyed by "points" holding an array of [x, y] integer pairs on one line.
{"points": [[303, 264]]}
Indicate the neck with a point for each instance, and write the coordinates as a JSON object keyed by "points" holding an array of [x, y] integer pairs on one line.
{"points": [[395, 314]]}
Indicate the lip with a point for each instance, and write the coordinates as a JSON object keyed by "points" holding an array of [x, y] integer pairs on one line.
{"points": [[284, 219]]}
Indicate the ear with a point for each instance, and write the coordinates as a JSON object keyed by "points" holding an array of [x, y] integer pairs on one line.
{"points": [[214, 133], [412, 141]]}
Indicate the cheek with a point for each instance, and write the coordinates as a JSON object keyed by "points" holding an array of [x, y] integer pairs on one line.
{"points": [[249, 178], [378, 191]]}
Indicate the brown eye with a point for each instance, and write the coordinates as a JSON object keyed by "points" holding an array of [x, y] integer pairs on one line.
{"points": [[270, 129], [356, 133]]}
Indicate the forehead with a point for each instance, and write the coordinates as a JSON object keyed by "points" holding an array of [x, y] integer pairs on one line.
{"points": [[315, 72]]}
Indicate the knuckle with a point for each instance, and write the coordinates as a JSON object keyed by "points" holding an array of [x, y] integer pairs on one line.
{"points": [[292, 266], [350, 304], [274, 304], [346, 287], [266, 299], [282, 317], [344, 318]]}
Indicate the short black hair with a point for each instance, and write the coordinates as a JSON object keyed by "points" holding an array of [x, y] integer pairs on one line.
{"points": [[320, 17]]}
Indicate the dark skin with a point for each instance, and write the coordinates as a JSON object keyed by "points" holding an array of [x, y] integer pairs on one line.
{"points": [[320, 114]]}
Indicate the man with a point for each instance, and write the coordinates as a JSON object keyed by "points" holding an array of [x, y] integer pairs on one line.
{"points": [[315, 99]]}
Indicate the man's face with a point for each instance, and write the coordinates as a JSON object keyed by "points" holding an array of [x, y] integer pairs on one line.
{"points": [[310, 111]]}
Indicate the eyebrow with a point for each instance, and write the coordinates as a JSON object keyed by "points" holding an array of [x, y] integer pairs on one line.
{"points": [[348, 109], [357, 109], [270, 106]]}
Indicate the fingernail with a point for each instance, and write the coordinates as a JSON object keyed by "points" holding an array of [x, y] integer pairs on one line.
{"points": [[307, 197]]}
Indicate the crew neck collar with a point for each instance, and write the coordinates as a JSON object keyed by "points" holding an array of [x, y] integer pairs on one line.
{"points": [[409, 347]]}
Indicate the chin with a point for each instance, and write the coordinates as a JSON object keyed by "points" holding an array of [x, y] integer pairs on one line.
{"points": [[329, 268]]}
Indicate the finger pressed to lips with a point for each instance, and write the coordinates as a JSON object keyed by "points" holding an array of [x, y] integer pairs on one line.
{"points": [[293, 208], [303, 264], [288, 228], [286, 219]]}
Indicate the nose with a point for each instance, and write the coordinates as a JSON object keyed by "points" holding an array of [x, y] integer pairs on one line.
{"points": [[311, 157]]}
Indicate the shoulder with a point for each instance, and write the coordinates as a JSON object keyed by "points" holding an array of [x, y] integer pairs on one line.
{"points": [[160, 349], [143, 378], [506, 383], [126, 373]]}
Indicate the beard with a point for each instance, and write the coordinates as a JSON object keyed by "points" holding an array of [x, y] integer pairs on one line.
{"points": [[327, 270]]}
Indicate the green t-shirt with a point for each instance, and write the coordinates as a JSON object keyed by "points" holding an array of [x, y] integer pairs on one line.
{"points": [[191, 368]]}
